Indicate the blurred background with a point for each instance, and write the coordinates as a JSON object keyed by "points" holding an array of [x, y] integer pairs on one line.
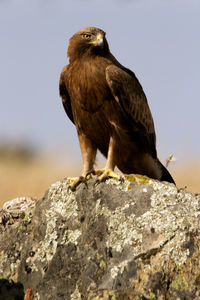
{"points": [[157, 39]]}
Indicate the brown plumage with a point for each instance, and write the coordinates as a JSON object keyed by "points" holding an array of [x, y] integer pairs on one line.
{"points": [[109, 108]]}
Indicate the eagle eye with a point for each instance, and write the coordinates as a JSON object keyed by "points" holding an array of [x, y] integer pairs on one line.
{"points": [[86, 36]]}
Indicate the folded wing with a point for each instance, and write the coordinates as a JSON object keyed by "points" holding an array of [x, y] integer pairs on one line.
{"points": [[129, 94]]}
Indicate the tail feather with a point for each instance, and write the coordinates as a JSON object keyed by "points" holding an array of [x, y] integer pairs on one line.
{"points": [[166, 176]]}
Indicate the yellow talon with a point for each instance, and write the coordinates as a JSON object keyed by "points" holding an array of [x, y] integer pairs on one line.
{"points": [[106, 173], [75, 182], [102, 173]]}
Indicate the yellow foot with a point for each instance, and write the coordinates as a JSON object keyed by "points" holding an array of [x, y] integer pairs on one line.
{"points": [[77, 180], [105, 174]]}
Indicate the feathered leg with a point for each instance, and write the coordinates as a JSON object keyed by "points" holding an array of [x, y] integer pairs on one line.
{"points": [[88, 151], [108, 171]]}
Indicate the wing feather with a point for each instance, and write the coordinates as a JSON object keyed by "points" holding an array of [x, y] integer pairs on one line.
{"points": [[65, 95], [129, 94]]}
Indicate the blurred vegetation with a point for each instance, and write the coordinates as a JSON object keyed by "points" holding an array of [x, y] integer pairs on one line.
{"points": [[24, 171], [22, 152]]}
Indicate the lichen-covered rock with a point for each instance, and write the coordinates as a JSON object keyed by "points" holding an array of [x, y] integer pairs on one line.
{"points": [[14, 211], [137, 239]]}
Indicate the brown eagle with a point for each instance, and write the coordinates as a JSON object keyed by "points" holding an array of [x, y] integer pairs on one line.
{"points": [[109, 108]]}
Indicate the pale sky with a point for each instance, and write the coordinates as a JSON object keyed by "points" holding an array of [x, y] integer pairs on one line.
{"points": [[158, 39]]}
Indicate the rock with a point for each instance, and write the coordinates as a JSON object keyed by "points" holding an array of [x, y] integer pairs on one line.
{"points": [[15, 210], [19, 204], [137, 239]]}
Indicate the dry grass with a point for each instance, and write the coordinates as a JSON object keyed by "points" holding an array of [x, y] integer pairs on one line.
{"points": [[32, 177]]}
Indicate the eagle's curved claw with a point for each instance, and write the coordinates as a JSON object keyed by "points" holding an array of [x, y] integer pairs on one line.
{"points": [[121, 179], [89, 174], [105, 174], [81, 179], [75, 182], [96, 182]]}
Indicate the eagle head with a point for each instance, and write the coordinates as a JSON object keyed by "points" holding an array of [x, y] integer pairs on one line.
{"points": [[89, 40]]}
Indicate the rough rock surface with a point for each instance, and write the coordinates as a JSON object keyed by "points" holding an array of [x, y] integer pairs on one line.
{"points": [[137, 239]]}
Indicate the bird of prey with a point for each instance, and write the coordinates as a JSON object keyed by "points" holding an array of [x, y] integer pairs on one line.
{"points": [[109, 108]]}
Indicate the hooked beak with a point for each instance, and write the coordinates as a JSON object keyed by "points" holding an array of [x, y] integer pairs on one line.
{"points": [[98, 41]]}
